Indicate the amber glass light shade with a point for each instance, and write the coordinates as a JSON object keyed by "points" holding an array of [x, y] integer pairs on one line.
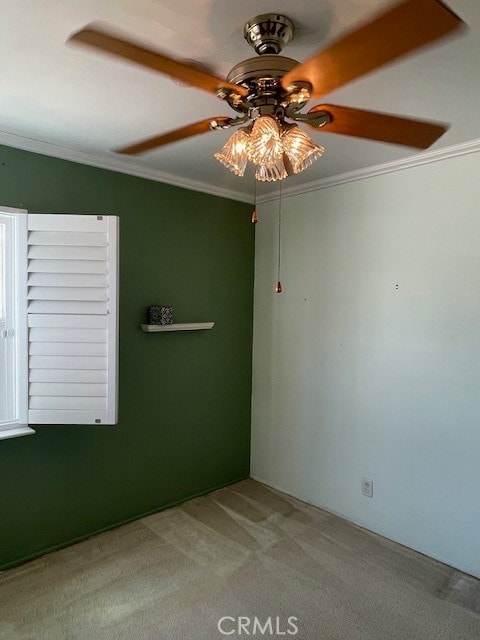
{"points": [[271, 174], [234, 153], [265, 145], [300, 148]]}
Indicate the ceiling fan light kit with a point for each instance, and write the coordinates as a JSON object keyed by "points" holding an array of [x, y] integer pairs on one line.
{"points": [[270, 91], [277, 150]]}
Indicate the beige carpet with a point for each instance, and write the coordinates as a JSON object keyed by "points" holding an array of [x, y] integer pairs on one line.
{"points": [[243, 551]]}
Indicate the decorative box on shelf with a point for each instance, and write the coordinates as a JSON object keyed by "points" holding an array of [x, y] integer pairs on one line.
{"points": [[160, 314]]}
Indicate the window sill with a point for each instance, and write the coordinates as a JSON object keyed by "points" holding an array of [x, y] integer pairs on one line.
{"points": [[16, 432]]}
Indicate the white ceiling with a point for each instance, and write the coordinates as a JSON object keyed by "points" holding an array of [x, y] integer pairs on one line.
{"points": [[84, 102]]}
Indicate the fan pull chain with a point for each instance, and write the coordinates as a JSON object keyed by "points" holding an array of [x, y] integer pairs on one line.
{"points": [[254, 214], [278, 288]]}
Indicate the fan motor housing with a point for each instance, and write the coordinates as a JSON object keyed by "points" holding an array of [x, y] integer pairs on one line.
{"points": [[267, 66], [262, 78]]}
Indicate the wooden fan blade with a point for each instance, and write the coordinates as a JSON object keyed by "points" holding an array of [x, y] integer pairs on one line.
{"points": [[193, 129], [406, 27], [103, 41], [380, 126]]}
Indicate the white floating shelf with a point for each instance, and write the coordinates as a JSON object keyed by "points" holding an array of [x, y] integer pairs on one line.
{"points": [[191, 326]]}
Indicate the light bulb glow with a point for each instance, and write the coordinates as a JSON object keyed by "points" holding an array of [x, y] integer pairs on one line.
{"points": [[300, 148], [275, 149], [265, 145], [234, 153]]}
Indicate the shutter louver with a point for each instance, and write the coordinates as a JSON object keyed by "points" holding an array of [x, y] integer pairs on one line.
{"points": [[72, 319]]}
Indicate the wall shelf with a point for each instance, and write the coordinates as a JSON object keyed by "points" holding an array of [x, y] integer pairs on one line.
{"points": [[191, 326]]}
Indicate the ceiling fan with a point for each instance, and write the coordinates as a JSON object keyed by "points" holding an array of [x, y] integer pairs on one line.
{"points": [[270, 91]]}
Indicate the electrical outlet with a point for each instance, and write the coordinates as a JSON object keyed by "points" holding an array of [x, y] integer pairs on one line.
{"points": [[367, 487]]}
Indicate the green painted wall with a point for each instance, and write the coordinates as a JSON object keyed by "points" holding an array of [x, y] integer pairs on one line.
{"points": [[184, 397]]}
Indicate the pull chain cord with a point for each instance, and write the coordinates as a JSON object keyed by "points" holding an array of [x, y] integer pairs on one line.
{"points": [[254, 214], [278, 288]]}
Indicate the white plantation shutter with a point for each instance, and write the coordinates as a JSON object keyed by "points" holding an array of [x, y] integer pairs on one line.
{"points": [[72, 319]]}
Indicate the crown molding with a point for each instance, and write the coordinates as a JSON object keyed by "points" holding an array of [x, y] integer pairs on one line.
{"points": [[427, 157], [113, 164]]}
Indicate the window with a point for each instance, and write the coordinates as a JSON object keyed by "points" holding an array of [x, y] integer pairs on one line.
{"points": [[58, 315], [13, 325]]}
